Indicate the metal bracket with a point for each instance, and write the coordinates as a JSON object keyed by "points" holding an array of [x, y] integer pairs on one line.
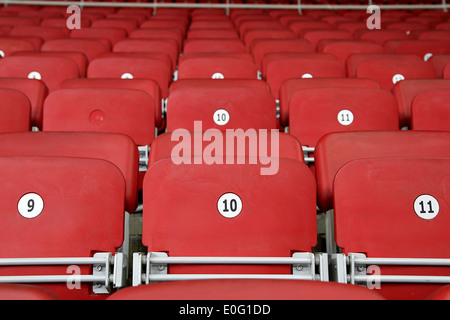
{"points": [[338, 268], [143, 158], [153, 267]]}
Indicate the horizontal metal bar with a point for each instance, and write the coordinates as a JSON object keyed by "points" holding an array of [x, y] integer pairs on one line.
{"points": [[221, 6], [50, 261], [180, 277], [402, 261], [51, 279], [228, 260], [401, 279]]}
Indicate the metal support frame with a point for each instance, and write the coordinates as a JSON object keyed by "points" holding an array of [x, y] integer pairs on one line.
{"points": [[108, 271], [353, 269], [227, 6], [143, 158], [153, 267], [306, 151]]}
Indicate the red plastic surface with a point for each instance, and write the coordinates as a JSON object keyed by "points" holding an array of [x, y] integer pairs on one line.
{"points": [[181, 217], [316, 112], [336, 149], [375, 214], [246, 290]]}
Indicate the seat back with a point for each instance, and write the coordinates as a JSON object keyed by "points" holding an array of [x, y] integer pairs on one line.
{"points": [[92, 219], [336, 149], [388, 69], [217, 66], [405, 92], [229, 210], [430, 110], [369, 191], [15, 111], [116, 148], [287, 146], [126, 111], [51, 70], [221, 108], [340, 109], [290, 86], [156, 66]]}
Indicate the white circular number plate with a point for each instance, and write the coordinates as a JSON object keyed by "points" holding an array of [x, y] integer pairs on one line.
{"points": [[30, 205], [426, 207], [345, 117], [307, 76], [217, 75], [127, 76], [398, 77], [427, 56], [34, 75], [229, 205], [221, 117]]}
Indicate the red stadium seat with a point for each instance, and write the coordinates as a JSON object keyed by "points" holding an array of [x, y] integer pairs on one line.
{"points": [[367, 192], [159, 33], [381, 36], [439, 61], [9, 45], [300, 26], [336, 149], [340, 109], [46, 33], [168, 46], [290, 86], [246, 290], [261, 47], [36, 92], [78, 58], [430, 110], [405, 92], [388, 69], [15, 111], [109, 35], [214, 45], [342, 49], [165, 24], [25, 292], [314, 36], [255, 34], [223, 34], [92, 222], [246, 230], [116, 148], [129, 25], [224, 83], [221, 108], [424, 49], [51, 70], [127, 111], [288, 146], [90, 47], [155, 66], [147, 85], [278, 67], [217, 66]]}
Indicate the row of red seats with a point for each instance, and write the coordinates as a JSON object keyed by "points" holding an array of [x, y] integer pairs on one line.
{"points": [[271, 216], [269, 194]]}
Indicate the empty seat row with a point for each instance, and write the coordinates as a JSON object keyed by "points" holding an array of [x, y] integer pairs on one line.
{"points": [[232, 227]]}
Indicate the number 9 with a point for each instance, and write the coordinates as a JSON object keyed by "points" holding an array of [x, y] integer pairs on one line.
{"points": [[30, 205]]}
